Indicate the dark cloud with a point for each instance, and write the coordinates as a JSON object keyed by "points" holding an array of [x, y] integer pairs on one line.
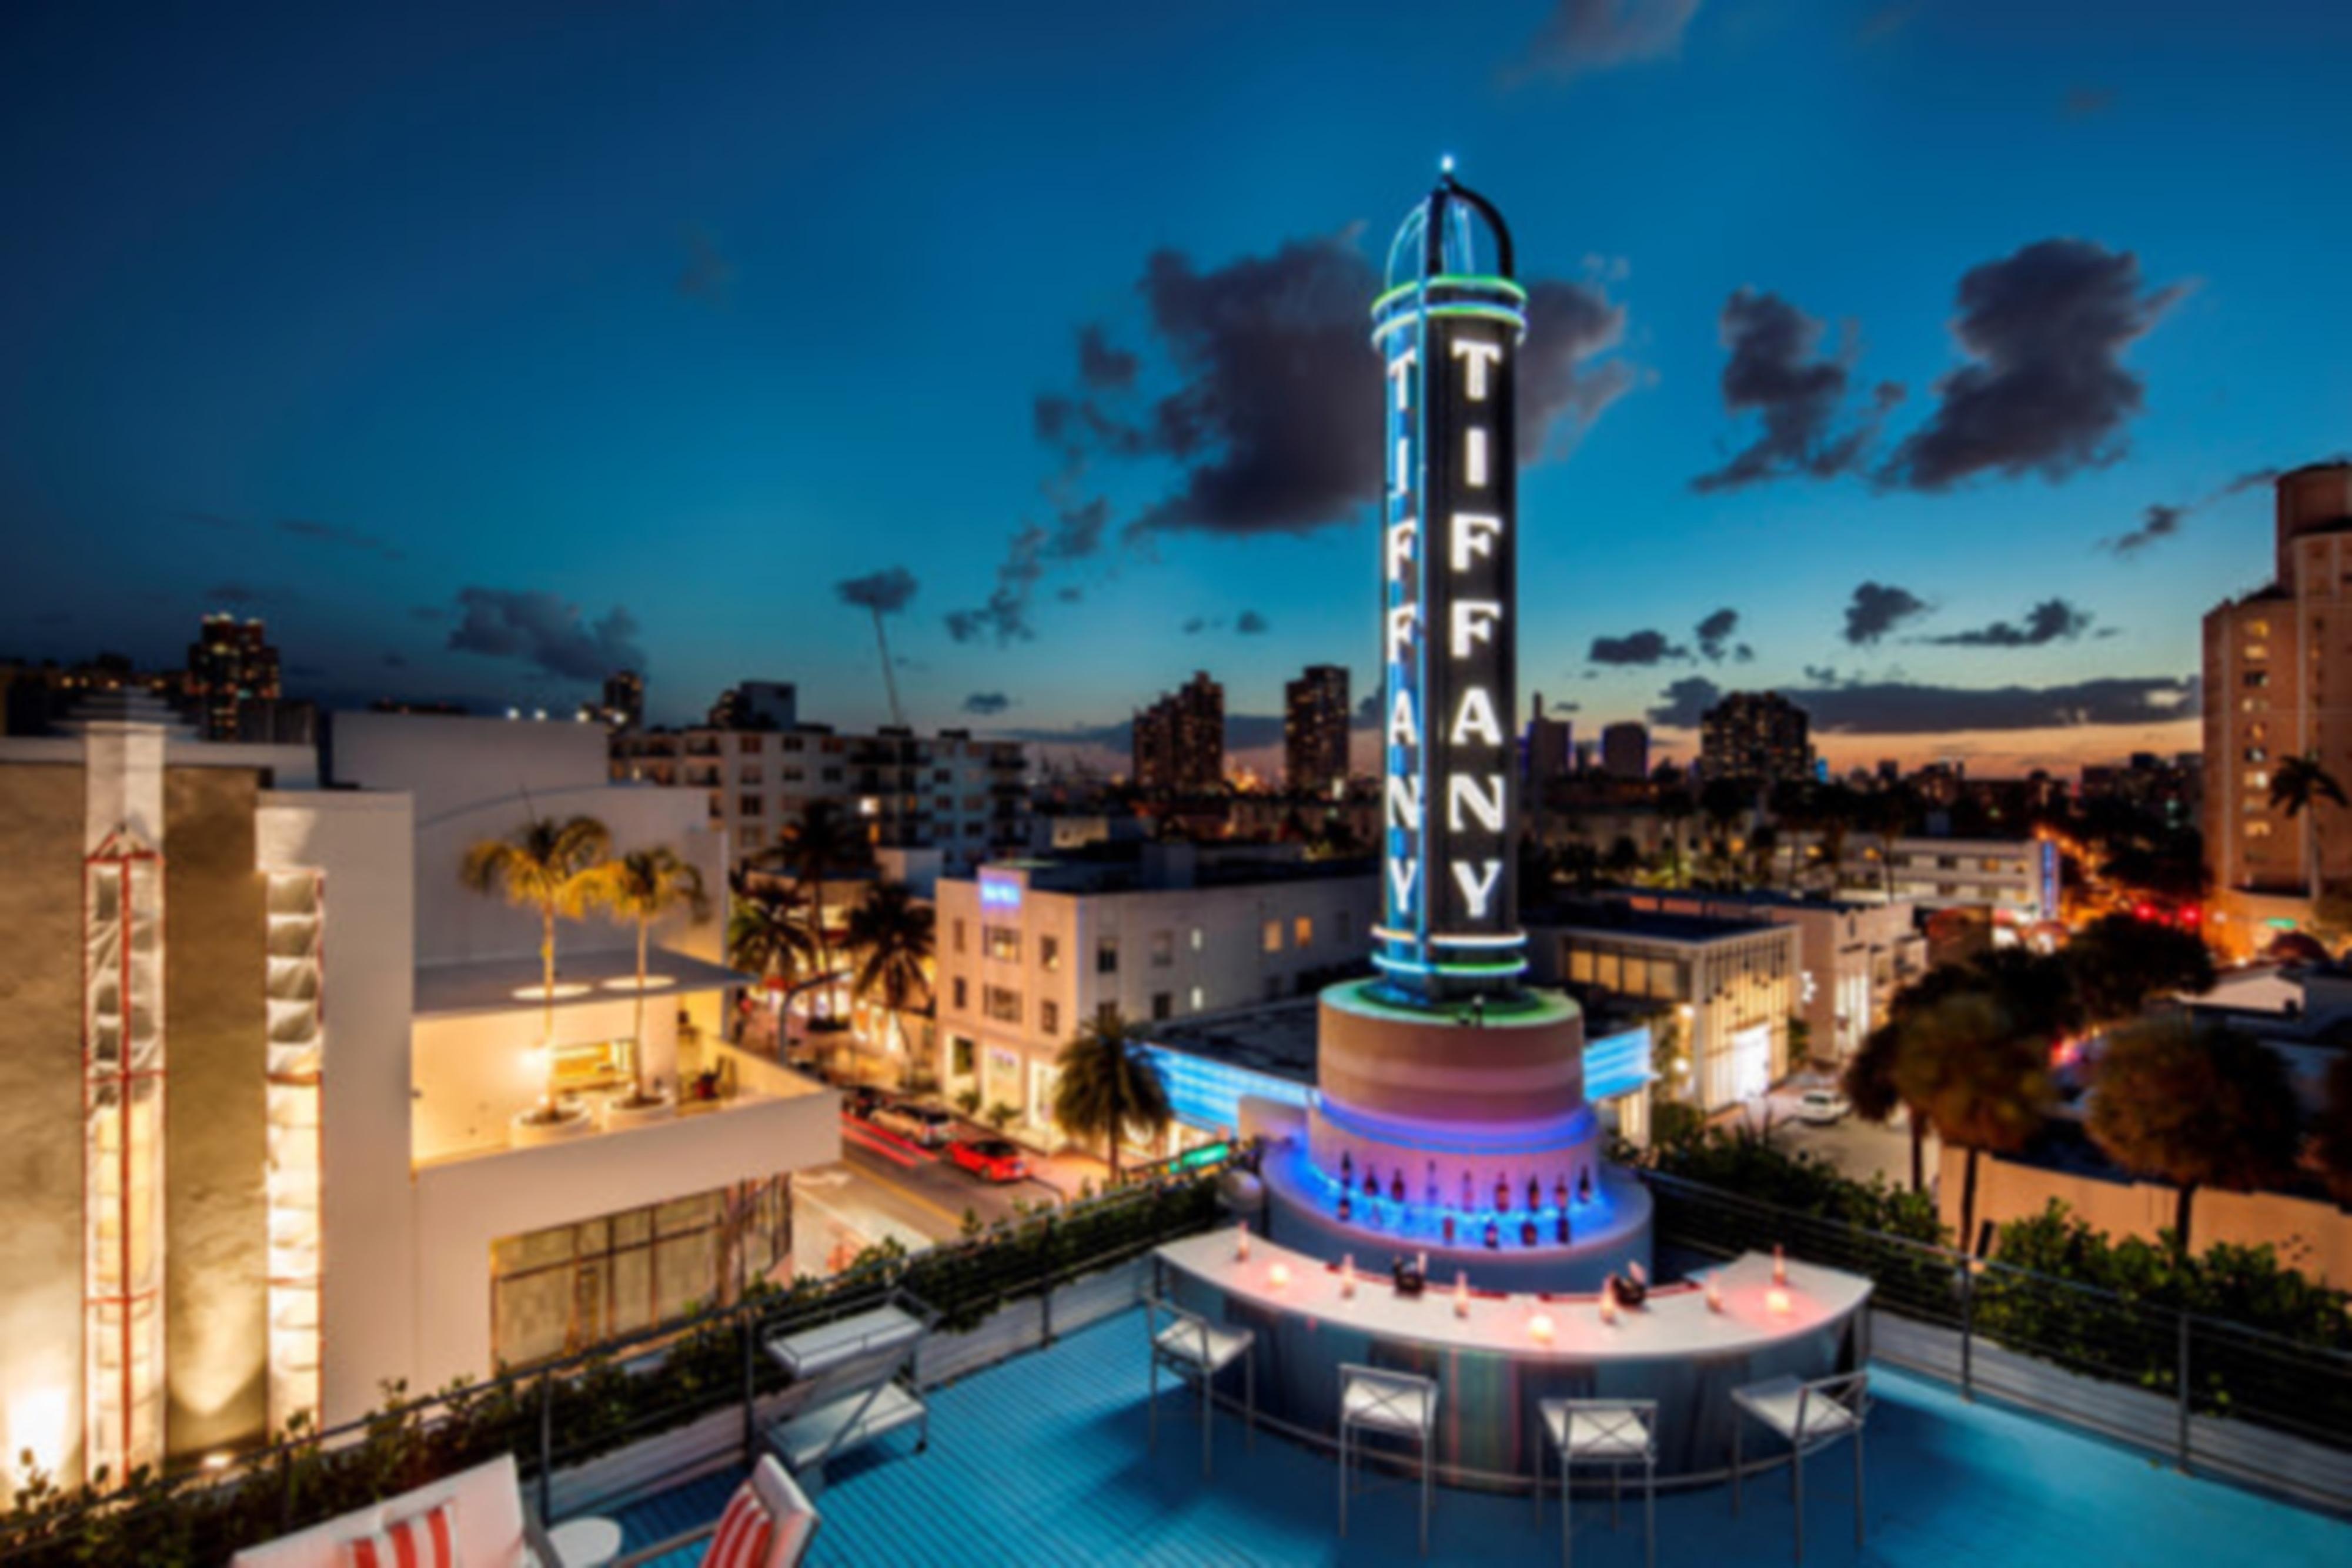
{"points": [[1714, 634], [986, 703], [2161, 520], [2158, 522], [1642, 647], [428, 613], [1744, 654], [1102, 365], [1585, 36], [707, 276], [2046, 390], [336, 534], [1904, 707], [1196, 625], [2050, 621], [1567, 707], [1777, 372], [886, 592], [1821, 674], [1565, 383], [2084, 101], [1005, 616], [1069, 594], [1876, 609], [212, 520], [543, 631], [1368, 711], [1250, 623], [1682, 705], [1901, 708]]}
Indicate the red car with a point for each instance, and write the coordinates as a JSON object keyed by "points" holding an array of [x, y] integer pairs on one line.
{"points": [[990, 1159]]}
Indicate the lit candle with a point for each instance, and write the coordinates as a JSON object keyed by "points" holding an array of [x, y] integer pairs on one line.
{"points": [[1539, 1328], [1241, 1243], [1609, 1301], [1279, 1276], [1780, 1265], [1713, 1294], [1348, 1277], [1460, 1294], [1776, 1301]]}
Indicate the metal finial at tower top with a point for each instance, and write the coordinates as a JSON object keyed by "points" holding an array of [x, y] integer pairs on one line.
{"points": [[1445, 165]]}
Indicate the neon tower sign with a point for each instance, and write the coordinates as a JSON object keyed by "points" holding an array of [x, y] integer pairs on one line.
{"points": [[1448, 328]]}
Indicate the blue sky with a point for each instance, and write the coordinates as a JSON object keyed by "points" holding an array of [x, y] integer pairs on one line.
{"points": [[521, 315]]}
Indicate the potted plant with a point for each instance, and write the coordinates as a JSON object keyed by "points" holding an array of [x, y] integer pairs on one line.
{"points": [[548, 867]]}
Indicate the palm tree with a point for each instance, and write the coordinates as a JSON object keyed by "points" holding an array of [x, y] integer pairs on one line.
{"points": [[640, 888], [1890, 819], [2297, 787], [2118, 963], [1980, 1077], [1110, 1086], [1674, 809], [768, 931], [1869, 1086], [892, 936], [1830, 813], [820, 844], [2195, 1107], [551, 867], [1763, 849]]}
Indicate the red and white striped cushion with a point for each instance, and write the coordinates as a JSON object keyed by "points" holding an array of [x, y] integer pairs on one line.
{"points": [[745, 1532], [427, 1539]]}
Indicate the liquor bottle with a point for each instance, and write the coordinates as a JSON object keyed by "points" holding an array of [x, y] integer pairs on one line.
{"points": [[1563, 1231], [1433, 1184], [1560, 1193], [1528, 1231], [1584, 1185], [1347, 1206], [1347, 1168], [1448, 1225], [1468, 1203], [1493, 1234], [1502, 1196], [1535, 1195], [1396, 1186], [1371, 1181]]}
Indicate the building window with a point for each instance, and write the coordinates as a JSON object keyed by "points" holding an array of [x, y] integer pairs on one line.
{"points": [[1107, 1014], [963, 996], [1163, 949], [1049, 954], [1198, 999], [961, 1056], [1107, 956], [749, 773], [1001, 1004], [1199, 938], [1162, 1007], [956, 937], [1049, 1020], [1001, 942], [1272, 936], [2258, 677], [748, 806], [560, 1290], [1302, 932], [2258, 830]]}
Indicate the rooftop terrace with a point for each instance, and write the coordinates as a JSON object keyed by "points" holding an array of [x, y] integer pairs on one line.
{"points": [[1042, 1460]]}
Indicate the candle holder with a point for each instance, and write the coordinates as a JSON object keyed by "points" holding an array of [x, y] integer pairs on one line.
{"points": [[1713, 1294], [1348, 1278], [1780, 1265], [1279, 1276], [1460, 1294], [1609, 1302], [1776, 1301], [1539, 1328], [1241, 1243]]}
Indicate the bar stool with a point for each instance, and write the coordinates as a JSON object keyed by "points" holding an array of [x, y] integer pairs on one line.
{"points": [[1618, 1433], [1192, 1347], [1809, 1416], [1401, 1404]]}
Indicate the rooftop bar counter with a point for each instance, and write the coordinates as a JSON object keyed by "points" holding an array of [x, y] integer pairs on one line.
{"points": [[1495, 1356]]}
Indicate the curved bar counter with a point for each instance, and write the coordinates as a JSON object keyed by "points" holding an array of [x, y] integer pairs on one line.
{"points": [[1494, 1364]]}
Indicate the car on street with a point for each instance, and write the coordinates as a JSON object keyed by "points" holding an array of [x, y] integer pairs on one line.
{"points": [[926, 1126], [1823, 1107], [990, 1159], [863, 1100]]}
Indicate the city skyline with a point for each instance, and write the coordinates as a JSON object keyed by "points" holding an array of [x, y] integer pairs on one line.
{"points": [[436, 382]]}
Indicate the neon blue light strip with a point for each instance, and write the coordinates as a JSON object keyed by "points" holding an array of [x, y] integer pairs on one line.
{"points": [[1485, 312], [1407, 967]]}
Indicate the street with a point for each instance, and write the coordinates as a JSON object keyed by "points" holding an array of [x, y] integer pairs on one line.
{"points": [[885, 1186], [1858, 1148]]}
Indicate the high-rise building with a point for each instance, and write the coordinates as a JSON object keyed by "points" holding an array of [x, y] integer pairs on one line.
{"points": [[1315, 730], [625, 700], [1548, 749], [757, 705], [1755, 734], [1625, 750], [2270, 670], [1180, 740], [230, 665]]}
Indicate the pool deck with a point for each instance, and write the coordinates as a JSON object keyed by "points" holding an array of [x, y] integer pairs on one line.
{"points": [[1041, 1460]]}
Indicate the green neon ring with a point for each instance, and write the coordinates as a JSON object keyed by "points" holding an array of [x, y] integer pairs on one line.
{"points": [[1452, 280]]}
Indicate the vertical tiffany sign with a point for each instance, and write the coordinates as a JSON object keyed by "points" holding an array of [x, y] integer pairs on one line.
{"points": [[1449, 327]]}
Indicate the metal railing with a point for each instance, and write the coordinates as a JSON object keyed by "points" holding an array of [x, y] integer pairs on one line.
{"points": [[2205, 1392], [565, 1413]]}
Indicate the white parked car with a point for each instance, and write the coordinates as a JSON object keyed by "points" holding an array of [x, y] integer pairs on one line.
{"points": [[924, 1124], [1822, 1107]]}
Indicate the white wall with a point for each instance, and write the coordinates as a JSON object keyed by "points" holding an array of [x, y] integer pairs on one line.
{"points": [[449, 762], [463, 1206], [369, 1301], [475, 1072]]}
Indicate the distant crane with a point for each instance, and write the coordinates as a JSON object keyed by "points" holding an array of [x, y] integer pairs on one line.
{"points": [[889, 678]]}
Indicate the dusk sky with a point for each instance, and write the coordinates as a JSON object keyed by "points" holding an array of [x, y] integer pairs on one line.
{"points": [[480, 348]]}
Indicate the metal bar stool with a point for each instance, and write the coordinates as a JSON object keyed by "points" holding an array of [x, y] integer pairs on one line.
{"points": [[1618, 1433], [1192, 1347], [1809, 1416], [1401, 1404]]}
